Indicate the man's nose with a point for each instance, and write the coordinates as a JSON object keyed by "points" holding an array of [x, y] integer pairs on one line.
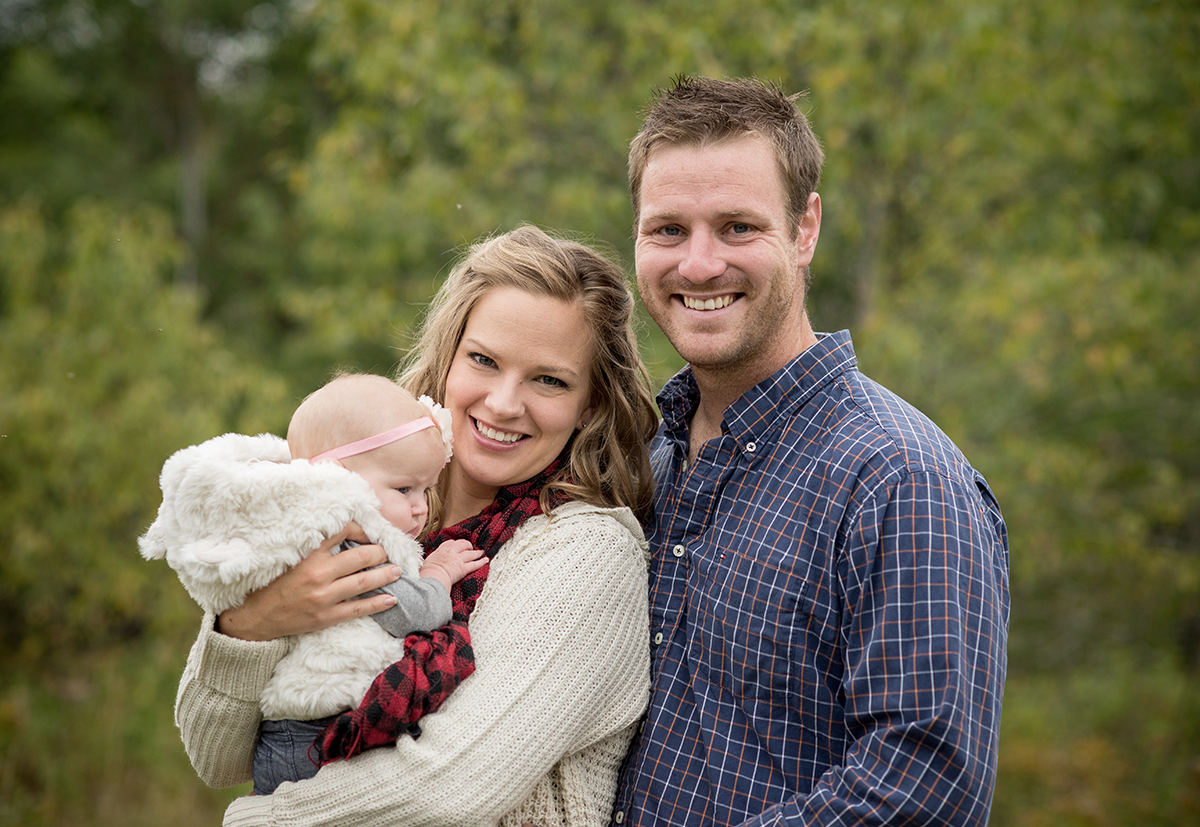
{"points": [[702, 260]]}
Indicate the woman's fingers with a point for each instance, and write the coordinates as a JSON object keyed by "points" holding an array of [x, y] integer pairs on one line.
{"points": [[353, 559], [317, 593]]}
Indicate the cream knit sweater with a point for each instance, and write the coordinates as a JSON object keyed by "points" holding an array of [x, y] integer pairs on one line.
{"points": [[535, 736]]}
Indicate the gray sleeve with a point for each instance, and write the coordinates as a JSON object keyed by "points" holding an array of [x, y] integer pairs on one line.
{"points": [[422, 605]]}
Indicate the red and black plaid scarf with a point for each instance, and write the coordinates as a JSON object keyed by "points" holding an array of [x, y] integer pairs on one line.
{"points": [[436, 662]]}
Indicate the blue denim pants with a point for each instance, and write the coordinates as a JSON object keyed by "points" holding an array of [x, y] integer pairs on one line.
{"points": [[283, 752]]}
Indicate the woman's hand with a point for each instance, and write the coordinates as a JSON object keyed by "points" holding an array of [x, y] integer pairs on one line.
{"points": [[316, 593]]}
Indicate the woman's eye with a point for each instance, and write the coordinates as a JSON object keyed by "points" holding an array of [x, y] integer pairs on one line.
{"points": [[480, 359], [552, 381]]}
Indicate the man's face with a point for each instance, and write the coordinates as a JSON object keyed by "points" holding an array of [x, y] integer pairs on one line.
{"points": [[717, 265]]}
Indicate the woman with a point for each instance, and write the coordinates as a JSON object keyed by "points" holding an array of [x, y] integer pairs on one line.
{"points": [[529, 344]]}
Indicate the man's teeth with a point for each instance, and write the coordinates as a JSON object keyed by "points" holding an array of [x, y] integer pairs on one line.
{"points": [[492, 433], [707, 304]]}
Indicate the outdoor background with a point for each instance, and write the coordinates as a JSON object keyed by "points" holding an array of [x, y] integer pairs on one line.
{"points": [[206, 206]]}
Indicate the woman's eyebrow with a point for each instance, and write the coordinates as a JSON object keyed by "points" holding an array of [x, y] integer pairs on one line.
{"points": [[560, 370]]}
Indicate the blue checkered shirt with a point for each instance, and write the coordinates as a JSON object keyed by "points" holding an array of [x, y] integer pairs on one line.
{"points": [[829, 613]]}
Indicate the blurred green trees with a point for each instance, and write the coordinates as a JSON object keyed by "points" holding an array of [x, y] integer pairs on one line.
{"points": [[207, 207]]}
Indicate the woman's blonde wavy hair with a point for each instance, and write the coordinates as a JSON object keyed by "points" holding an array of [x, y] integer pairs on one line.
{"points": [[608, 464]]}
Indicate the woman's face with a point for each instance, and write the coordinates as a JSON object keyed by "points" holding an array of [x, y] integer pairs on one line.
{"points": [[518, 387]]}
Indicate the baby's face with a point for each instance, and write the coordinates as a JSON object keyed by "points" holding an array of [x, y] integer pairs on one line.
{"points": [[401, 475]]}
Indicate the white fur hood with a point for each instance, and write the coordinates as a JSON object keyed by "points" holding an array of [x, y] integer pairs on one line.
{"points": [[237, 512]]}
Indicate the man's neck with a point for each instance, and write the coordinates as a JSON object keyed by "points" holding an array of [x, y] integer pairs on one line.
{"points": [[719, 388]]}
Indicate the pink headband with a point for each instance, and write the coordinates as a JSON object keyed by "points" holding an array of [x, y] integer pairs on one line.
{"points": [[378, 441]]}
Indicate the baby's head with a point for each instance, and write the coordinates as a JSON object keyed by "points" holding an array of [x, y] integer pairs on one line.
{"points": [[400, 449]]}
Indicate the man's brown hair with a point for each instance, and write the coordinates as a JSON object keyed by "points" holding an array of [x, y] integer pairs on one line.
{"points": [[697, 111]]}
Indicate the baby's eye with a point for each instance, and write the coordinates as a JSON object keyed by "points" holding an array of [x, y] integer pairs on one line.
{"points": [[404, 489]]}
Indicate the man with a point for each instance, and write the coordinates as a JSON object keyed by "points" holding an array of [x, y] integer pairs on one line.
{"points": [[829, 591]]}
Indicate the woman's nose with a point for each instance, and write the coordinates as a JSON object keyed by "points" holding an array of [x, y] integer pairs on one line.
{"points": [[504, 399]]}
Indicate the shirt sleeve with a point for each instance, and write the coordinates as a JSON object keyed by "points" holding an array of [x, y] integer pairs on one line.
{"points": [[560, 635], [923, 577], [422, 605]]}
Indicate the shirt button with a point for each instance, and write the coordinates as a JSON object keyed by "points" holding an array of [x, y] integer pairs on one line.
{"points": [[678, 551], [751, 447], [619, 817], [658, 639]]}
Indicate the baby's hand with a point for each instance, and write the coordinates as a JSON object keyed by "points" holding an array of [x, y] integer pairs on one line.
{"points": [[452, 561]]}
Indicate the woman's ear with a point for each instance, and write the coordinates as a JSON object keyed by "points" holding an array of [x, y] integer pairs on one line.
{"points": [[585, 417]]}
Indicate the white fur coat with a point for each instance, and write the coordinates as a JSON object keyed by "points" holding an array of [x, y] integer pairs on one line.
{"points": [[236, 513]]}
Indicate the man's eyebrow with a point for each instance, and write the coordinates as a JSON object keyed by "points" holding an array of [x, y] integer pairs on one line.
{"points": [[657, 217], [670, 216], [741, 218]]}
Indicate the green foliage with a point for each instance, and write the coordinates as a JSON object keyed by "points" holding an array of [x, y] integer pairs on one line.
{"points": [[96, 746], [1011, 227], [1071, 383], [106, 372], [1072, 754]]}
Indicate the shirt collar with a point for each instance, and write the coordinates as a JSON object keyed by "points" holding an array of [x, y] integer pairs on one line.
{"points": [[771, 400]]}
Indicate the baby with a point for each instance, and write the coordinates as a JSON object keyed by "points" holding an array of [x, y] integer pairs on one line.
{"points": [[239, 510], [352, 422]]}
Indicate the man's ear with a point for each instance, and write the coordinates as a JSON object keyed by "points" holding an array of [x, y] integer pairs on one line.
{"points": [[808, 230]]}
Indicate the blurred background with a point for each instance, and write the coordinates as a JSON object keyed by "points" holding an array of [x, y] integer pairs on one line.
{"points": [[206, 206]]}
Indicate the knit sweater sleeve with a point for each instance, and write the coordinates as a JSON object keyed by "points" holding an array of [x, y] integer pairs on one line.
{"points": [[561, 641], [217, 707]]}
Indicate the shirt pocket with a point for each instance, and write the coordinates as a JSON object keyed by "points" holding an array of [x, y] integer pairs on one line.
{"points": [[769, 614]]}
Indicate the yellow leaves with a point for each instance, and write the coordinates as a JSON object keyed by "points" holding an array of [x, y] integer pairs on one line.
{"points": [[830, 79]]}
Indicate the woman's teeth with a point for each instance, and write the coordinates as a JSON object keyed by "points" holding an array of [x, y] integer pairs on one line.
{"points": [[492, 433]]}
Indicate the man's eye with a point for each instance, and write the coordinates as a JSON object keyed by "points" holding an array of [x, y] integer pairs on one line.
{"points": [[741, 228], [671, 231]]}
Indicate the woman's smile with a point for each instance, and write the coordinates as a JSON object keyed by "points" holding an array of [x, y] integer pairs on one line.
{"points": [[495, 434]]}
